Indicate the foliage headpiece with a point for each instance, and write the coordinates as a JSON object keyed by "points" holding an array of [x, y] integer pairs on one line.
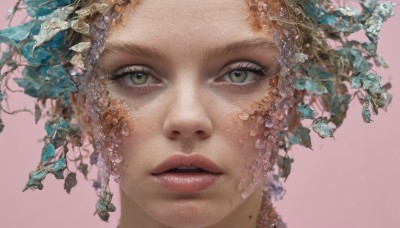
{"points": [[61, 40]]}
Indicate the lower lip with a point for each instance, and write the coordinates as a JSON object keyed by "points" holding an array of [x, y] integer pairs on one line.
{"points": [[186, 182]]}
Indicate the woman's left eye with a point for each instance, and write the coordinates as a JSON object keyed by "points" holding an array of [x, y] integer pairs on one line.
{"points": [[243, 73], [238, 76]]}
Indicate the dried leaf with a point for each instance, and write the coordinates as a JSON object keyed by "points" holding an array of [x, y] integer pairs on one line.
{"points": [[80, 26], [83, 168], [77, 60], [81, 47], [92, 9], [94, 157], [54, 23], [38, 113], [1, 125], [285, 166], [70, 182]]}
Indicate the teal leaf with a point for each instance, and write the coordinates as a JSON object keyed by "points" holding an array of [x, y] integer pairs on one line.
{"points": [[58, 168], [102, 211], [339, 107], [304, 111], [310, 85], [70, 182], [300, 136], [38, 8], [366, 113], [48, 152], [5, 57], [35, 180], [321, 127], [379, 14], [47, 82], [369, 81], [355, 58], [327, 20], [14, 35], [104, 205], [60, 164]]}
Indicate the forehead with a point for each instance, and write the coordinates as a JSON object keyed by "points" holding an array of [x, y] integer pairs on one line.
{"points": [[183, 23]]}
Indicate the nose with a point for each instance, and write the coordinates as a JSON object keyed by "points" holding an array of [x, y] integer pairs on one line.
{"points": [[187, 116]]}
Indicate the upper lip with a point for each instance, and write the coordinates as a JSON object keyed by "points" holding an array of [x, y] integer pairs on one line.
{"points": [[184, 160]]}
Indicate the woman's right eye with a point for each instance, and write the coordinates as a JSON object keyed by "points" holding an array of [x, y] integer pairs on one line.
{"points": [[134, 76]]}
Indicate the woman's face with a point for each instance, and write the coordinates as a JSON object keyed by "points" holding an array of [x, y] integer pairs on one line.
{"points": [[187, 71]]}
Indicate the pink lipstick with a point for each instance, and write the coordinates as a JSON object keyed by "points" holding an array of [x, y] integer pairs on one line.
{"points": [[186, 173]]}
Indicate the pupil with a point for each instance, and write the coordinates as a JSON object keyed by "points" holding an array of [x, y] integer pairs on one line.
{"points": [[238, 73], [138, 78], [238, 76]]}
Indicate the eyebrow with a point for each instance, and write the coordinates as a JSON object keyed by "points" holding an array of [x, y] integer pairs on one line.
{"points": [[153, 53]]}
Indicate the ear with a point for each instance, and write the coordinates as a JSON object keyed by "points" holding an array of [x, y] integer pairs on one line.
{"points": [[78, 105]]}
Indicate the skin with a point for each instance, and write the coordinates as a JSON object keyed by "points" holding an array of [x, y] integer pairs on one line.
{"points": [[191, 106]]}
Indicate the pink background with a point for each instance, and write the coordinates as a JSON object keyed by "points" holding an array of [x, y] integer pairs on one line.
{"points": [[350, 181]]}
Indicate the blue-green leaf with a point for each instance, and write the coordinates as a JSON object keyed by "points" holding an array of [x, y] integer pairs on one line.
{"points": [[14, 35], [321, 127], [366, 113], [35, 180], [48, 152], [300, 136], [369, 81], [304, 111]]}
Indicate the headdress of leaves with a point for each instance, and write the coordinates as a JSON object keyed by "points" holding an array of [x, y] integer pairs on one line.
{"points": [[334, 68], [42, 50]]}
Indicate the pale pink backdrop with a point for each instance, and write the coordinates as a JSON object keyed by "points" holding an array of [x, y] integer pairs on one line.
{"points": [[350, 181]]}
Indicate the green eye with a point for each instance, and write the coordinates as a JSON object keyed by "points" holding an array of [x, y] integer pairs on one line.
{"points": [[238, 76], [138, 78]]}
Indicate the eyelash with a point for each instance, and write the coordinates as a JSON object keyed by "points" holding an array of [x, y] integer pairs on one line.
{"points": [[247, 66]]}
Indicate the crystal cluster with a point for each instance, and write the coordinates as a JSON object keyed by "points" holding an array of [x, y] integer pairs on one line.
{"points": [[108, 116]]}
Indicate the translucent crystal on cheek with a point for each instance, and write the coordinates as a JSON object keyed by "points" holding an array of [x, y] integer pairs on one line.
{"points": [[243, 195], [260, 144], [268, 123], [244, 116], [116, 158], [260, 120], [253, 132], [125, 130]]}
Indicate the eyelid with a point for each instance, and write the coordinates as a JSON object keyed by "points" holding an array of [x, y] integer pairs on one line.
{"points": [[124, 71], [246, 65]]}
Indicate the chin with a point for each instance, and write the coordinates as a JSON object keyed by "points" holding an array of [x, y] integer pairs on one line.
{"points": [[190, 214]]}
